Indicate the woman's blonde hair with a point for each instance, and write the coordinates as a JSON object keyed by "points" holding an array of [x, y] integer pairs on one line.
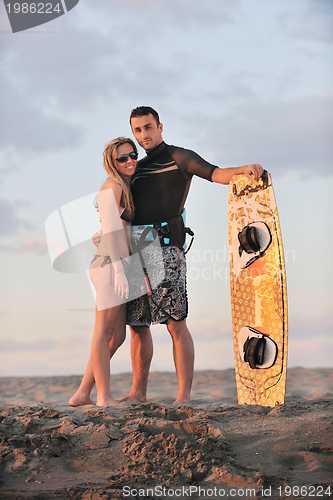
{"points": [[109, 164]]}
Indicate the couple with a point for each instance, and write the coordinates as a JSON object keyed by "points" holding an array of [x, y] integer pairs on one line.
{"points": [[151, 191]]}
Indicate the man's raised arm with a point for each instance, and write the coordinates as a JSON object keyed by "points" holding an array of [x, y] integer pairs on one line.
{"points": [[223, 175]]}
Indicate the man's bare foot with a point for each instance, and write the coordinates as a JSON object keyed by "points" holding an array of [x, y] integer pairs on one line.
{"points": [[106, 402], [182, 401], [133, 398], [80, 400]]}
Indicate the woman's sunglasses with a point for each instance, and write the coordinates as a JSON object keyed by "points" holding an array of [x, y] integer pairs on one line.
{"points": [[124, 158]]}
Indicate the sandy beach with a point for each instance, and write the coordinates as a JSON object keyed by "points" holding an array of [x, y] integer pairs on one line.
{"points": [[211, 448]]}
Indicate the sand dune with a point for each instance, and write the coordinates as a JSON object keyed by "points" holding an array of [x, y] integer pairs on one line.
{"points": [[51, 450]]}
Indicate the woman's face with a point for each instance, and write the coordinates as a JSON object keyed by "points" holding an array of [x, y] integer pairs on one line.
{"points": [[128, 166]]}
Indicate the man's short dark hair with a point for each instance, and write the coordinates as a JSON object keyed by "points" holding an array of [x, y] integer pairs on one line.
{"points": [[144, 111]]}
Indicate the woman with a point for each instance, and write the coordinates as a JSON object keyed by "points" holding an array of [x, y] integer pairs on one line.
{"points": [[107, 270]]}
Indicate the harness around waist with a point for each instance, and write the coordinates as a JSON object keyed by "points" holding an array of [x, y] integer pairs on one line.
{"points": [[171, 232]]}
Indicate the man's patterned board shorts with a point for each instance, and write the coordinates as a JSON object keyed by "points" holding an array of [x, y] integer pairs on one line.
{"points": [[169, 297]]}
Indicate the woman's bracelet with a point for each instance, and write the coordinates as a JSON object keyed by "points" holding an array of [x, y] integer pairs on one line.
{"points": [[118, 271]]}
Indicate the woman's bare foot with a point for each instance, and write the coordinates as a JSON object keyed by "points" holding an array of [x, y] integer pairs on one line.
{"points": [[79, 399], [106, 402]]}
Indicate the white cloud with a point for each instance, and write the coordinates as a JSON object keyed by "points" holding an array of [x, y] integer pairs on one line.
{"points": [[11, 345], [112, 55], [154, 16], [312, 23], [282, 136], [14, 229], [63, 356], [28, 125], [305, 329], [25, 245], [10, 222]]}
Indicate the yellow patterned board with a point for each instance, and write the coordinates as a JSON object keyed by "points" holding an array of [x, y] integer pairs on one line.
{"points": [[258, 291]]}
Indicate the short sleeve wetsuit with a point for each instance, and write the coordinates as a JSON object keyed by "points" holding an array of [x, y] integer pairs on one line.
{"points": [[162, 181], [160, 187]]}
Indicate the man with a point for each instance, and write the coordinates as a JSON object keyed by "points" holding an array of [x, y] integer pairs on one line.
{"points": [[160, 186]]}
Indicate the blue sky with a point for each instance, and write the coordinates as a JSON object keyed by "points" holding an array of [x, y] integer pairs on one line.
{"points": [[237, 81]]}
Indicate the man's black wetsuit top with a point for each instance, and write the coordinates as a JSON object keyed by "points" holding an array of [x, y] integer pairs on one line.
{"points": [[162, 180]]}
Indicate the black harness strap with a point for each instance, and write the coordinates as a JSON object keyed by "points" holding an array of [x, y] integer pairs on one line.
{"points": [[175, 232], [139, 246]]}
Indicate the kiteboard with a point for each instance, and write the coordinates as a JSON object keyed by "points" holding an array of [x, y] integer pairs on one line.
{"points": [[258, 292]]}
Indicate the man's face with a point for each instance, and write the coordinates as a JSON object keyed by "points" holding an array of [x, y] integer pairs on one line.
{"points": [[146, 131]]}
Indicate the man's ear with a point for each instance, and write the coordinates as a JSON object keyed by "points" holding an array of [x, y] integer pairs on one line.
{"points": [[160, 127]]}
